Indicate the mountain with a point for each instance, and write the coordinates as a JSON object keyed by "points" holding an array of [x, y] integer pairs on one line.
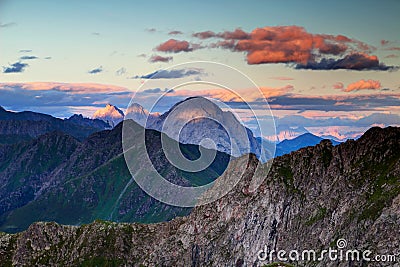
{"points": [[304, 140], [109, 114], [309, 200], [285, 132], [56, 177], [86, 122], [199, 121], [26, 125]]}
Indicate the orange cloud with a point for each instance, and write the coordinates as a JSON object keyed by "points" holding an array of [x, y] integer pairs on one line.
{"points": [[363, 85], [241, 95], [174, 46], [289, 45]]}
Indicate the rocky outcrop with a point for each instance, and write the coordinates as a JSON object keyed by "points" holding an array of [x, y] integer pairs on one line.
{"points": [[309, 200], [109, 114]]}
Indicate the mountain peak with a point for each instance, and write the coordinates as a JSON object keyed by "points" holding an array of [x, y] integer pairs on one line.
{"points": [[110, 114]]}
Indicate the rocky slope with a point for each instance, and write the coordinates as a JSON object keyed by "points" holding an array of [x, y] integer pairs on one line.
{"points": [[309, 199], [56, 177]]}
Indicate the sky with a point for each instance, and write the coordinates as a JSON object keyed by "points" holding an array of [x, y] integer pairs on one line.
{"points": [[328, 67]]}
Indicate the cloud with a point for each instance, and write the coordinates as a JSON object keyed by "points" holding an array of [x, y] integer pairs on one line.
{"points": [[157, 58], [204, 35], [175, 32], [142, 55], [6, 25], [392, 56], [393, 48], [239, 96], [151, 30], [237, 34], [175, 46], [73, 88], [25, 50], [338, 85], [330, 103], [355, 61], [363, 85], [96, 70], [291, 45], [28, 57], [16, 67], [120, 71], [96, 33], [47, 58], [156, 91], [384, 42], [170, 74], [282, 78], [61, 99]]}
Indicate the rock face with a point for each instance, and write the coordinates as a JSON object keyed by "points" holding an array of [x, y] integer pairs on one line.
{"points": [[196, 119], [110, 114], [309, 200]]}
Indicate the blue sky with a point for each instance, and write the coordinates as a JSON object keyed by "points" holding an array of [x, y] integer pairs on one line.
{"points": [[109, 42]]}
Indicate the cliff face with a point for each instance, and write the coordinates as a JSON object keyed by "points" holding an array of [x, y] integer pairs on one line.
{"points": [[309, 200]]}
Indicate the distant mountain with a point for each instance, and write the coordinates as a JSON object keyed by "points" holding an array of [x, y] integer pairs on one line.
{"points": [[140, 115], [86, 122], [285, 132], [312, 200], [58, 178], [301, 141], [26, 125], [196, 119], [109, 114]]}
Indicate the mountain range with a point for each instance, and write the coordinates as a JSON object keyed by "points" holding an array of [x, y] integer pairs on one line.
{"points": [[195, 119], [309, 200], [26, 125], [56, 177]]}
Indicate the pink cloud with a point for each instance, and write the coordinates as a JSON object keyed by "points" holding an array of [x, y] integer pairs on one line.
{"points": [[76, 88], [363, 85], [157, 58], [204, 35], [282, 78], [338, 85], [241, 95], [393, 48], [384, 42], [175, 32]]}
